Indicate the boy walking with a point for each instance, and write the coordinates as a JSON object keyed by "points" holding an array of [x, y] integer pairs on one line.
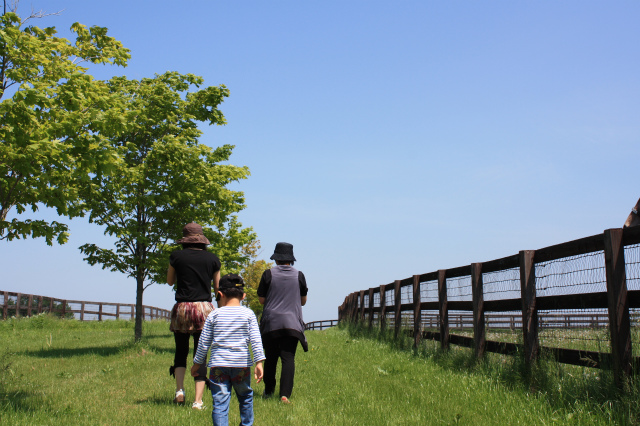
{"points": [[227, 332]]}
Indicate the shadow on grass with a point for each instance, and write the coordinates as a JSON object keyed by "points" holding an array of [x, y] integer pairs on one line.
{"points": [[21, 401], [74, 352], [156, 400], [561, 386]]}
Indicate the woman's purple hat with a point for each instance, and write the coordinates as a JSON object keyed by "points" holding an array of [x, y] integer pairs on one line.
{"points": [[283, 252], [192, 234]]}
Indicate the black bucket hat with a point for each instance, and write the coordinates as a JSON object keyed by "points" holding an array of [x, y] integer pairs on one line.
{"points": [[283, 252], [231, 281]]}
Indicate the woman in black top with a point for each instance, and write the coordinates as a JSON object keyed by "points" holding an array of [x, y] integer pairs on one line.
{"points": [[192, 269]]}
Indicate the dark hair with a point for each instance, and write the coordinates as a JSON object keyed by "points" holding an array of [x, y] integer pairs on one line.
{"points": [[200, 246], [285, 262], [232, 292]]}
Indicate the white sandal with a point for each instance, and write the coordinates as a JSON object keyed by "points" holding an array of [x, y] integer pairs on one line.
{"points": [[198, 406], [179, 399]]}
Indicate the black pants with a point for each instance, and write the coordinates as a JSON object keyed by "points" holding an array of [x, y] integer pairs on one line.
{"points": [[182, 351], [285, 349]]}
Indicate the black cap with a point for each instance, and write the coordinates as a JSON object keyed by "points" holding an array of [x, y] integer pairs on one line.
{"points": [[231, 281]]}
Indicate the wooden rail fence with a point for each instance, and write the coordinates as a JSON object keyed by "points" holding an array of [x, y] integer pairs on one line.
{"points": [[20, 304], [320, 325], [530, 310]]}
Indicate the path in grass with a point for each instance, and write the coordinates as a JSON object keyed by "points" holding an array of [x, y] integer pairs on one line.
{"points": [[73, 373]]}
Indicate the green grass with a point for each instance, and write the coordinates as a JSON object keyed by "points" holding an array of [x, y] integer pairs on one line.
{"points": [[74, 373]]}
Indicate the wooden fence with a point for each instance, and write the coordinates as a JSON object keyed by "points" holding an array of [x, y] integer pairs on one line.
{"points": [[320, 325], [530, 308], [19, 304]]}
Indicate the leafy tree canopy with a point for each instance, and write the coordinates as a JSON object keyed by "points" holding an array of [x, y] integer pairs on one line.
{"points": [[166, 180], [52, 115]]}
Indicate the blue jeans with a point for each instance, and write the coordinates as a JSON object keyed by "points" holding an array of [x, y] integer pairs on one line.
{"points": [[222, 380]]}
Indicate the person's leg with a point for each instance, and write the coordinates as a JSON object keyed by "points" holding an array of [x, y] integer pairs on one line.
{"points": [[242, 385], [221, 394], [180, 359], [271, 352], [202, 372], [288, 347]]}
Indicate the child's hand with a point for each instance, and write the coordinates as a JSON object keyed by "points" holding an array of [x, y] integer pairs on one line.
{"points": [[194, 370], [258, 372]]}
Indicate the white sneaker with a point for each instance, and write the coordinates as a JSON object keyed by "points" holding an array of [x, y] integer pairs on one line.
{"points": [[198, 406], [179, 399]]}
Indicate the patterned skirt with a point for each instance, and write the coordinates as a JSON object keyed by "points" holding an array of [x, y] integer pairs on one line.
{"points": [[188, 317]]}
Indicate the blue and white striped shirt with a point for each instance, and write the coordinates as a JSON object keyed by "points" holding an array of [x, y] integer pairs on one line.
{"points": [[227, 332]]}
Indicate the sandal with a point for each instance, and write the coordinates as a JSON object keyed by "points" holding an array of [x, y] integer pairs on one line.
{"points": [[179, 399], [198, 406]]}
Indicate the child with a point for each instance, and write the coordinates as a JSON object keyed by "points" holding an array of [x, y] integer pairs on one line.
{"points": [[227, 332]]}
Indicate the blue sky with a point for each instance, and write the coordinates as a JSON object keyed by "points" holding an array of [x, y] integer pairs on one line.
{"points": [[386, 139]]}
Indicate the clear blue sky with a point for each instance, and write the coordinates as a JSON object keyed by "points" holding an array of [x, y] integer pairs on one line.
{"points": [[386, 139]]}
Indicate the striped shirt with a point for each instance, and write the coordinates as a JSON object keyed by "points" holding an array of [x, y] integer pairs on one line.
{"points": [[227, 332]]}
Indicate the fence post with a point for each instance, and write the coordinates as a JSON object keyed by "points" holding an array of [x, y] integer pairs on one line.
{"points": [[29, 305], [51, 305], [39, 304], [383, 307], [444, 308], [100, 312], [479, 333], [133, 313], [5, 305], [370, 308], [619, 322], [529, 308], [18, 305], [417, 312], [398, 305], [64, 309], [82, 311], [361, 297], [118, 311]]}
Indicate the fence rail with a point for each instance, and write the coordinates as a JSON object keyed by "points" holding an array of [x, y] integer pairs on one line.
{"points": [[592, 283], [320, 325], [20, 304]]}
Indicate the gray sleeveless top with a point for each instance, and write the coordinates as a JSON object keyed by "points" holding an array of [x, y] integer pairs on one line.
{"points": [[282, 308]]}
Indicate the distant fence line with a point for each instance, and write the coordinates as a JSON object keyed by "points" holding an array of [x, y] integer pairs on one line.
{"points": [[320, 325], [586, 283], [20, 304]]}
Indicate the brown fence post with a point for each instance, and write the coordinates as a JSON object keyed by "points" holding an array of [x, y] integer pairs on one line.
{"points": [[370, 308], [18, 305], [529, 308], [361, 297], [383, 307], [479, 333], [29, 305], [398, 305], [82, 311], [118, 311], [417, 312], [39, 304], [619, 322], [51, 305], [444, 309], [64, 309], [133, 312], [100, 312], [5, 305]]}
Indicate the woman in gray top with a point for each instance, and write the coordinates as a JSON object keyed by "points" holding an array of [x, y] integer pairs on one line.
{"points": [[283, 292]]}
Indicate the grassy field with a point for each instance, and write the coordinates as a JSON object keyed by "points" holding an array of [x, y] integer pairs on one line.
{"points": [[74, 373]]}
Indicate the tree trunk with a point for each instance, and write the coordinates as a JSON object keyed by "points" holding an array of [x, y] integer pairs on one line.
{"points": [[139, 309]]}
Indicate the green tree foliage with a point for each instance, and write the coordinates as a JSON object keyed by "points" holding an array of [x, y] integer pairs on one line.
{"points": [[251, 272], [166, 180], [52, 115]]}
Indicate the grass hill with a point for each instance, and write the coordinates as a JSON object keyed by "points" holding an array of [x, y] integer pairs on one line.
{"points": [[91, 373]]}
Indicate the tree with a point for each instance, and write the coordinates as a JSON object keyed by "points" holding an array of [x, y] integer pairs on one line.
{"points": [[166, 180], [251, 273], [51, 126]]}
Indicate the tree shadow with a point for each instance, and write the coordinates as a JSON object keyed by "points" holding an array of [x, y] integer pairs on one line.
{"points": [[74, 352]]}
